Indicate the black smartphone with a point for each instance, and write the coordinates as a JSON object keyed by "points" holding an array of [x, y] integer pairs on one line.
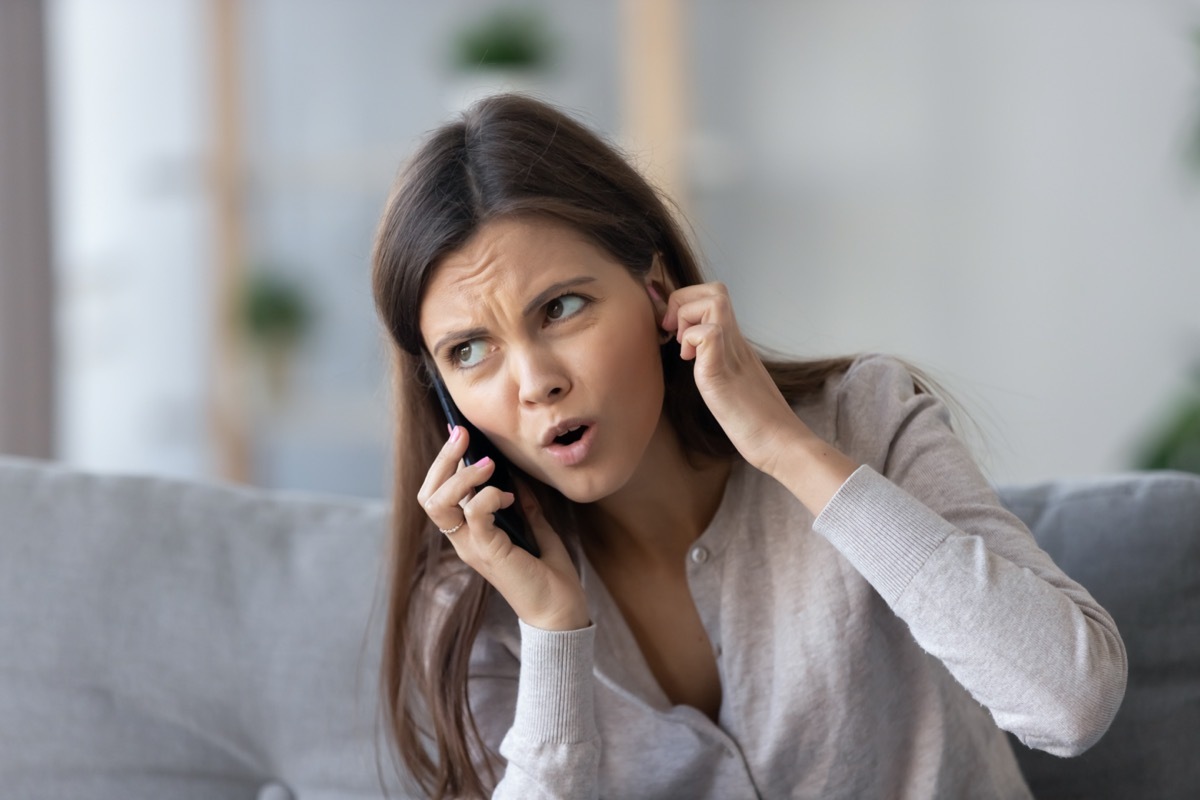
{"points": [[510, 520]]}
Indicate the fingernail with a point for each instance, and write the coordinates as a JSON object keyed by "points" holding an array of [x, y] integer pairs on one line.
{"points": [[484, 460], [455, 433]]}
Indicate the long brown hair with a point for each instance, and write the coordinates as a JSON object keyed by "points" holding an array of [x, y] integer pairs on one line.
{"points": [[508, 155]]}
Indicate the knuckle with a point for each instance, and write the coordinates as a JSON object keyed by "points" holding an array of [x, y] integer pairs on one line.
{"points": [[474, 512], [490, 494]]}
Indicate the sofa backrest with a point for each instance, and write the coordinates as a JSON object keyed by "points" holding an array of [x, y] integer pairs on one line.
{"points": [[163, 638], [1133, 541]]}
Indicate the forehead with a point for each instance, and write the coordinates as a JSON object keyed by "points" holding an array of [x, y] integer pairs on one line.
{"points": [[507, 261]]}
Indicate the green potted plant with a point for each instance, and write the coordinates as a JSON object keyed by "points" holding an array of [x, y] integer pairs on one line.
{"points": [[276, 316], [510, 49], [1175, 444]]}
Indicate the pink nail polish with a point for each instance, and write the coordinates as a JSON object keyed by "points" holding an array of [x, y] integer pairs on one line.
{"points": [[455, 433], [484, 460]]}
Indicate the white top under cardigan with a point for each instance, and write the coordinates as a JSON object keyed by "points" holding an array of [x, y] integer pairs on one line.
{"points": [[875, 652]]}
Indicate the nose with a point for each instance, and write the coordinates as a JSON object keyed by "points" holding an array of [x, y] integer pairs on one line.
{"points": [[540, 375]]}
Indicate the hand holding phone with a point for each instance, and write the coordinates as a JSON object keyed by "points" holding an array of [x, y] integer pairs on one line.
{"points": [[510, 520]]}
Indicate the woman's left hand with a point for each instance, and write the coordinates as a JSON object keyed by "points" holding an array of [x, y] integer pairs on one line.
{"points": [[730, 375]]}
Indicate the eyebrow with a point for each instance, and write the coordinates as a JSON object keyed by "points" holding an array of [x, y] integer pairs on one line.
{"points": [[543, 297]]}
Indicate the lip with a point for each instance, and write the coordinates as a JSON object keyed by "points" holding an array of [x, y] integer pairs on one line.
{"points": [[562, 426], [568, 455]]}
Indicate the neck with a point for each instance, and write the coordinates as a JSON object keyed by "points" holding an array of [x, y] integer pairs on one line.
{"points": [[661, 510]]}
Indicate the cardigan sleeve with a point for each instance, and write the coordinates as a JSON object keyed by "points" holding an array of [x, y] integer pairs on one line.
{"points": [[924, 527], [538, 711]]}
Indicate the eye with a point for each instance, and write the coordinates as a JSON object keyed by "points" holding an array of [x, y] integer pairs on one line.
{"points": [[566, 306], [467, 354]]}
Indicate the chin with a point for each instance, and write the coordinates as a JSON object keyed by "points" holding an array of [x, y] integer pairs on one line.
{"points": [[584, 488]]}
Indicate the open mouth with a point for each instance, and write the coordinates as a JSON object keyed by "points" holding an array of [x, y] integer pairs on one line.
{"points": [[571, 436]]}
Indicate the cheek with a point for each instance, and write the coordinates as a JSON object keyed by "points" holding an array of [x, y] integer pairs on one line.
{"points": [[484, 406], [633, 368]]}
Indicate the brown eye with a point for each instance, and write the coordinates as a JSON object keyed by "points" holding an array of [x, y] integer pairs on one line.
{"points": [[566, 306], [467, 354]]}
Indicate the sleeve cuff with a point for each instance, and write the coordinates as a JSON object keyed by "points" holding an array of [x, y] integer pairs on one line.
{"points": [[884, 532], [555, 692]]}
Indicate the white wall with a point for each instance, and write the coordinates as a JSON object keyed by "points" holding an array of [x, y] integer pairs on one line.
{"points": [[335, 95], [994, 190], [128, 89]]}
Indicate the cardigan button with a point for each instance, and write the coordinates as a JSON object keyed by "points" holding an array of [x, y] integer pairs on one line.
{"points": [[699, 555]]}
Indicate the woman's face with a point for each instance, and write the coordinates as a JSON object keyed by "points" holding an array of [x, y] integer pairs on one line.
{"points": [[535, 330]]}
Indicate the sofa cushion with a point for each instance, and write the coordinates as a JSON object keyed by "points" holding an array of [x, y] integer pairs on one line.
{"points": [[164, 638], [171, 639], [1133, 541]]}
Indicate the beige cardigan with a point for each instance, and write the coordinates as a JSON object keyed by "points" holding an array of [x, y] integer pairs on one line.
{"points": [[874, 652]]}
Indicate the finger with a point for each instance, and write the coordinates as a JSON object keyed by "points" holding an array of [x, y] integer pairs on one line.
{"points": [[691, 294], [708, 338], [486, 548], [480, 512], [444, 463], [709, 312], [711, 308], [475, 540], [445, 505]]}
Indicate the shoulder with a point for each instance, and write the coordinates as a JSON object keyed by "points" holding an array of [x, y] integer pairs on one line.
{"points": [[876, 400], [876, 375], [870, 380]]}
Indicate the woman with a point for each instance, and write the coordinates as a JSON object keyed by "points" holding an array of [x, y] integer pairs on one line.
{"points": [[757, 577]]}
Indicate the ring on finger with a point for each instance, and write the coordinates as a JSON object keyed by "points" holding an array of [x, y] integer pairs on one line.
{"points": [[449, 531]]}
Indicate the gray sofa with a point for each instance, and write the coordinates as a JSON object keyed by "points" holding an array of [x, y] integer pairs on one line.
{"points": [[171, 639]]}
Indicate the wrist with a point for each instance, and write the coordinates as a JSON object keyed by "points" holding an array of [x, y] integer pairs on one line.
{"points": [[812, 469], [567, 619]]}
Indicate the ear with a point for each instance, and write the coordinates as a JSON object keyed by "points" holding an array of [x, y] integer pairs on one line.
{"points": [[658, 285]]}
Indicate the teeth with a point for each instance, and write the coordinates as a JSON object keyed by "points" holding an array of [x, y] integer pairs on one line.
{"points": [[567, 431]]}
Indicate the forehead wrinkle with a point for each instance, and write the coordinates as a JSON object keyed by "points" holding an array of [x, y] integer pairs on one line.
{"points": [[480, 289], [488, 278]]}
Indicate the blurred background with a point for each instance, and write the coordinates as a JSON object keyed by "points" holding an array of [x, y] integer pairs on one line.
{"points": [[1004, 192]]}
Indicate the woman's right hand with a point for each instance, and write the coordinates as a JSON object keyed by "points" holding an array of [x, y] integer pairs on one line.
{"points": [[544, 592]]}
